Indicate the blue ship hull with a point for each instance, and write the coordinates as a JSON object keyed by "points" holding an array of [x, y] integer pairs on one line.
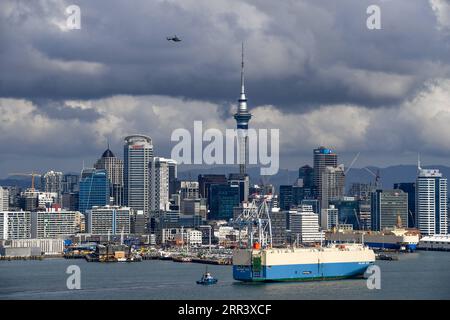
{"points": [[395, 246], [301, 272]]}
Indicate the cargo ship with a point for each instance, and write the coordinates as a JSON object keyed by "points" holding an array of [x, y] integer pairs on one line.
{"points": [[302, 264], [258, 261], [395, 239]]}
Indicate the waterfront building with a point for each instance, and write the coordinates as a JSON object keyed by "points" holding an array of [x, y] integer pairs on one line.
{"points": [[332, 217], [114, 169], [94, 189], [138, 151], [431, 202], [45, 246], [54, 223], [389, 208], [139, 223], [112, 220], [304, 225], [279, 227], [15, 225]]}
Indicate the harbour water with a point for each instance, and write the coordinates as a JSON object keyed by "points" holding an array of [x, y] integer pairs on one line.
{"points": [[420, 275]]}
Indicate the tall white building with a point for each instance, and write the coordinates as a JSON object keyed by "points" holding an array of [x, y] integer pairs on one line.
{"points": [[304, 225], [137, 153], [431, 202], [15, 225], [4, 199], [158, 170]]}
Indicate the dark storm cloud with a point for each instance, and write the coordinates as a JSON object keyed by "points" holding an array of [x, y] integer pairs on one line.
{"points": [[299, 53]]}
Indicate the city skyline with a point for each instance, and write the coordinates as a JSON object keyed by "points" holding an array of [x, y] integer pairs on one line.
{"points": [[323, 82]]}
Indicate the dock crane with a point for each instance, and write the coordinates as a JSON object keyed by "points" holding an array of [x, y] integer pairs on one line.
{"points": [[32, 175]]}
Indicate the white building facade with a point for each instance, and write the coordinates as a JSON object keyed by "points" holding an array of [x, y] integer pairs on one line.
{"points": [[431, 202], [15, 225]]}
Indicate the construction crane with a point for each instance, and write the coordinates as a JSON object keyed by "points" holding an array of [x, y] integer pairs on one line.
{"points": [[352, 163], [377, 177], [32, 175]]}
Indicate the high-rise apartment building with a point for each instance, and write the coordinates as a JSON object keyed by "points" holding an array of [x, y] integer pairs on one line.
{"points": [[431, 202], [54, 224], [109, 220], [159, 181], [15, 225], [51, 181], [4, 199], [137, 153]]}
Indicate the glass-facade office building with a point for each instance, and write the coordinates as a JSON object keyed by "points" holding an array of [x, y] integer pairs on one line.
{"points": [[94, 189]]}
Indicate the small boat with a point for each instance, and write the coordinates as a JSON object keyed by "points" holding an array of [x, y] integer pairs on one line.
{"points": [[207, 279]]}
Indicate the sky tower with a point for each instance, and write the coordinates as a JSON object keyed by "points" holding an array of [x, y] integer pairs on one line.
{"points": [[242, 117]]}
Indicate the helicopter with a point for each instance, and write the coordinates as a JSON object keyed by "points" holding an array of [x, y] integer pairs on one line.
{"points": [[174, 39]]}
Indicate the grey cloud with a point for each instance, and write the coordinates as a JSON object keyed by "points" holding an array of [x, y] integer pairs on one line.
{"points": [[297, 51]]}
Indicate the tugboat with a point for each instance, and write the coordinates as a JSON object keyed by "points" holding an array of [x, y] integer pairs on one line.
{"points": [[207, 279]]}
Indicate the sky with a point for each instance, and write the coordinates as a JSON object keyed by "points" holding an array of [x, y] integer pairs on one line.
{"points": [[313, 70]]}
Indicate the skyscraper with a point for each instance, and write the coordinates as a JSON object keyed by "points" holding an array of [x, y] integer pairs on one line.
{"points": [[94, 189], [389, 208], [323, 157], [242, 117], [51, 181], [410, 189], [286, 197], [206, 180], [332, 188], [223, 199], [431, 202], [114, 168], [306, 176], [138, 150], [173, 177], [159, 179]]}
